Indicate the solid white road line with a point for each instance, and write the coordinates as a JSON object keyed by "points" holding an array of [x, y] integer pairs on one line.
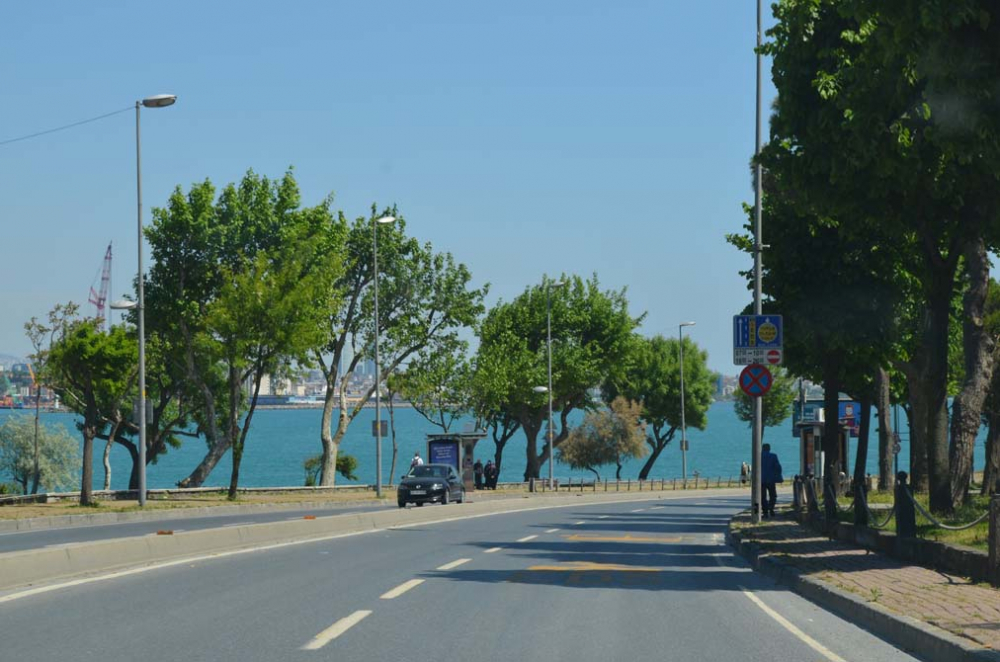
{"points": [[551, 530], [454, 564], [335, 630], [805, 638], [782, 621], [401, 589], [527, 538], [491, 550]]}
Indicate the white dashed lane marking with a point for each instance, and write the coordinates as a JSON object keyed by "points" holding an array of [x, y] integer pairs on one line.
{"points": [[335, 630], [527, 538], [401, 589], [454, 564]]}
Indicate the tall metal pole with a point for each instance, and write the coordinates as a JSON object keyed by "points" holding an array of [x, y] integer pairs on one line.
{"points": [[684, 444], [142, 314], [548, 334], [378, 399], [758, 259]]}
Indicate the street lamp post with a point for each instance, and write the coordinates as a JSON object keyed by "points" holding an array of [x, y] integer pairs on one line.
{"points": [[384, 220], [684, 441], [158, 101], [548, 335]]}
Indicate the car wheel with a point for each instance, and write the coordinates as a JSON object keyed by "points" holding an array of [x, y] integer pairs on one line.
{"points": [[461, 497], [446, 498], [420, 504], [402, 504]]}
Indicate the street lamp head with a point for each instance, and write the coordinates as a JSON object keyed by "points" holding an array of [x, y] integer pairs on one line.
{"points": [[123, 304], [385, 220], [159, 101], [688, 323], [557, 283], [540, 389]]}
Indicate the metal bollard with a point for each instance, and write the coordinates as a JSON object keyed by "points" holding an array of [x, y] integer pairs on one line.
{"points": [[906, 515], [797, 493], [628, 485], [994, 540]]}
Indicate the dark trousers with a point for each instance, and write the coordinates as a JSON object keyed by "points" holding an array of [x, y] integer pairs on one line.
{"points": [[770, 496], [479, 481]]}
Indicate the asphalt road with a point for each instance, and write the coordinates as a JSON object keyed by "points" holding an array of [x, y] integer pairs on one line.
{"points": [[13, 541], [616, 581]]}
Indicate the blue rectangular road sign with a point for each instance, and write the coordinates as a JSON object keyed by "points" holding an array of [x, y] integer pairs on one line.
{"points": [[757, 332]]}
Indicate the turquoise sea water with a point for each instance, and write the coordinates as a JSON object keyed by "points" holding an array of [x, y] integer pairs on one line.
{"points": [[280, 440]]}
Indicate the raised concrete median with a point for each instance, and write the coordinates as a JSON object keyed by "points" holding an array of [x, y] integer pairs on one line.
{"points": [[24, 568]]}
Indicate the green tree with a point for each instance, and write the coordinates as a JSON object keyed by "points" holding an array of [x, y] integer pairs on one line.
{"points": [[437, 383], [92, 371], [606, 436], [651, 376], [232, 296], [4, 385], [591, 335], [776, 404], [425, 298], [881, 125], [346, 466], [58, 455]]}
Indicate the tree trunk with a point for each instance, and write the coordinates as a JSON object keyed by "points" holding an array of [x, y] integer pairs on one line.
{"points": [[934, 385], [107, 461], [831, 439], [234, 477], [392, 434], [328, 469], [657, 443], [991, 473], [87, 478], [532, 464], [978, 350], [861, 459], [885, 436], [216, 451]]}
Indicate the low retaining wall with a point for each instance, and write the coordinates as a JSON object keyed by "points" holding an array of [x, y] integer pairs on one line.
{"points": [[954, 559]]}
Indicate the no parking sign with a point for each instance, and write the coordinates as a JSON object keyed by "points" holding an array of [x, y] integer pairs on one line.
{"points": [[756, 380]]}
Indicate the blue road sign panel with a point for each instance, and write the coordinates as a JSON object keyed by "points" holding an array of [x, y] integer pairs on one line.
{"points": [[757, 332]]}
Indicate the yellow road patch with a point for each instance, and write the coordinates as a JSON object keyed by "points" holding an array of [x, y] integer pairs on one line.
{"points": [[625, 538], [588, 566]]}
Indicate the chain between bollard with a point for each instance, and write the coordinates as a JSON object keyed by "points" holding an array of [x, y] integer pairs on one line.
{"points": [[933, 520]]}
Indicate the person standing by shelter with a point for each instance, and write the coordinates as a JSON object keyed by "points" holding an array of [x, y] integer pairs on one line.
{"points": [[416, 461], [477, 471], [770, 476], [491, 475]]}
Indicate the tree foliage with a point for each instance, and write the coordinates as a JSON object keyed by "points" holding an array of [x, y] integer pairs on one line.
{"points": [[591, 336], [59, 455], [606, 436], [651, 376]]}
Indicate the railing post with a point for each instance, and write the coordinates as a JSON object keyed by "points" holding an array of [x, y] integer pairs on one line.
{"points": [[906, 515], [994, 540]]}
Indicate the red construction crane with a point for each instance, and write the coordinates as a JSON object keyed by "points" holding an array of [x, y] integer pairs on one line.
{"points": [[100, 299]]}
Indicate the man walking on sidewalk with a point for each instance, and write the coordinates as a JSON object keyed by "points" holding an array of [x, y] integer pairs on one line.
{"points": [[770, 476]]}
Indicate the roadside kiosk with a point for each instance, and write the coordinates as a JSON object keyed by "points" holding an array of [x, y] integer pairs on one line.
{"points": [[808, 420], [456, 449]]}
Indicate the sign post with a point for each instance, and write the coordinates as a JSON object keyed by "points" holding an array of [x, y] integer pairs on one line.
{"points": [[758, 338]]}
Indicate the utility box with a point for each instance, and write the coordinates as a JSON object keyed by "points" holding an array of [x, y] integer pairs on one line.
{"points": [[456, 450]]}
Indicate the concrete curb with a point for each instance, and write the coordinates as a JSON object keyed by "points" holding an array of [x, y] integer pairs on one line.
{"points": [[24, 568], [90, 519], [909, 634]]}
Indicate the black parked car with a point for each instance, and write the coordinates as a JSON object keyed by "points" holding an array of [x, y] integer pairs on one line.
{"points": [[430, 483]]}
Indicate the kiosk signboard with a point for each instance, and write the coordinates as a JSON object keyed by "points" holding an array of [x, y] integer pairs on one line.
{"points": [[443, 451]]}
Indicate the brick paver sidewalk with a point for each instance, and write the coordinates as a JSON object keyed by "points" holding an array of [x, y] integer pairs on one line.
{"points": [[948, 602]]}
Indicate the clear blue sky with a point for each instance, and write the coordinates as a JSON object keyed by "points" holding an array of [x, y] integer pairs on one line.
{"points": [[524, 137]]}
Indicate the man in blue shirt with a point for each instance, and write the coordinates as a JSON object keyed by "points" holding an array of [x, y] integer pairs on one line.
{"points": [[770, 476]]}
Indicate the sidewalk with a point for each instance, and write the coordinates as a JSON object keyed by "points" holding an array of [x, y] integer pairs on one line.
{"points": [[907, 604]]}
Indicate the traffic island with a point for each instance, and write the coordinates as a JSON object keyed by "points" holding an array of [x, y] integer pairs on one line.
{"points": [[932, 614]]}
